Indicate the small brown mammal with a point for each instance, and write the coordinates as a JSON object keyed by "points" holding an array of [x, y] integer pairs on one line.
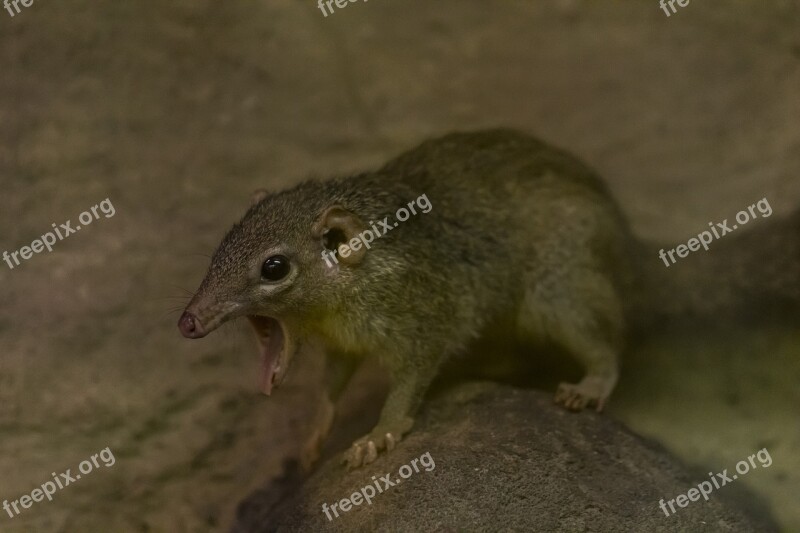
{"points": [[520, 236]]}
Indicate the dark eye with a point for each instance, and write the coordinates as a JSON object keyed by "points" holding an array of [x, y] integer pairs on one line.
{"points": [[275, 268]]}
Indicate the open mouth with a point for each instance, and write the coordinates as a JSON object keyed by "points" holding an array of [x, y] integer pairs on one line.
{"points": [[274, 345]]}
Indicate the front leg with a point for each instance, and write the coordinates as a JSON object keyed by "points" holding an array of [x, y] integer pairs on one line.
{"points": [[338, 371], [410, 381]]}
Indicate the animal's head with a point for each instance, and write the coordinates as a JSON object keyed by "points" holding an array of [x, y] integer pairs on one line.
{"points": [[276, 267]]}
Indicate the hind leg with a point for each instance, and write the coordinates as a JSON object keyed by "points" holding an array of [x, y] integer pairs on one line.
{"points": [[580, 312], [596, 386]]}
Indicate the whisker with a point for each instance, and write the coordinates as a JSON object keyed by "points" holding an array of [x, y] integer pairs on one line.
{"points": [[170, 312], [187, 291]]}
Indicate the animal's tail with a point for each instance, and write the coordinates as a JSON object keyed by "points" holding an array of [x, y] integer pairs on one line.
{"points": [[748, 273]]}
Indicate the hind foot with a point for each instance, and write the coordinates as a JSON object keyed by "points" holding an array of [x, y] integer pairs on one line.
{"points": [[591, 391]]}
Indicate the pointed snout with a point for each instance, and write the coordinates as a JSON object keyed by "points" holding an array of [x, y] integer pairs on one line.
{"points": [[190, 326]]}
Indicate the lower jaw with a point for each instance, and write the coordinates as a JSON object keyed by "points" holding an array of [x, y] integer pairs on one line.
{"points": [[273, 343]]}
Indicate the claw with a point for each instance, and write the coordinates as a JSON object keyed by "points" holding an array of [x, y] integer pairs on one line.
{"points": [[372, 453], [601, 403], [356, 456], [576, 397], [368, 448]]}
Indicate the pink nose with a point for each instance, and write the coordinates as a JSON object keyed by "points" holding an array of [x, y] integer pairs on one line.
{"points": [[190, 327]]}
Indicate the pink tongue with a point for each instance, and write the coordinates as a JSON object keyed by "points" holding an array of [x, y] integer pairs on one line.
{"points": [[269, 363], [271, 351]]}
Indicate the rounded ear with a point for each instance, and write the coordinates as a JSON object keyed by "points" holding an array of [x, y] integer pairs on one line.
{"points": [[341, 231], [258, 195]]}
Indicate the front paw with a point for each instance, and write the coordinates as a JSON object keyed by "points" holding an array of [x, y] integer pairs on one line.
{"points": [[366, 449]]}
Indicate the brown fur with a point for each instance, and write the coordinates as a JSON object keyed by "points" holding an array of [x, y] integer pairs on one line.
{"points": [[520, 235]]}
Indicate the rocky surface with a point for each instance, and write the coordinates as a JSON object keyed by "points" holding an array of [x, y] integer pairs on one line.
{"points": [[502, 458]]}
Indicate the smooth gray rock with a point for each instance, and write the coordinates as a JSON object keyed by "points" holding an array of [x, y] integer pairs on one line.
{"points": [[505, 459]]}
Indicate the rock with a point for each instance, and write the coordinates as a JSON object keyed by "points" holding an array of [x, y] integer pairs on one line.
{"points": [[503, 459]]}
